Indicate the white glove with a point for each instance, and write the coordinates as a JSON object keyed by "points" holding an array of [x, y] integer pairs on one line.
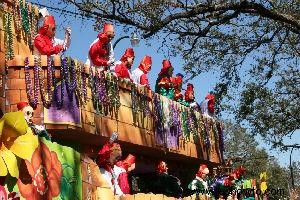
{"points": [[39, 127], [67, 39], [68, 31]]}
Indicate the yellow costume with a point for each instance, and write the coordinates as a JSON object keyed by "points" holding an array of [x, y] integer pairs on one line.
{"points": [[16, 140]]}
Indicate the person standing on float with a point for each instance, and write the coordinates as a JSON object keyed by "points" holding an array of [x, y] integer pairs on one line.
{"points": [[122, 67], [101, 53], [208, 106], [126, 165], [200, 185], [177, 84], [139, 75], [164, 85], [44, 42], [189, 97]]}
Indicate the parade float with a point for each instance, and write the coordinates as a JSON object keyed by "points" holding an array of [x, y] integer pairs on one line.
{"points": [[80, 112]]}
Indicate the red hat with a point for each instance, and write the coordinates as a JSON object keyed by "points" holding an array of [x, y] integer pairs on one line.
{"points": [[189, 90], [166, 65], [107, 28], [128, 53], [130, 159], [177, 81], [145, 64], [22, 105], [49, 20], [161, 167], [210, 97], [104, 153], [125, 164], [203, 169]]}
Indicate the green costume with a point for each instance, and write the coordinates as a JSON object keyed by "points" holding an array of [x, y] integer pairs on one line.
{"points": [[199, 186]]}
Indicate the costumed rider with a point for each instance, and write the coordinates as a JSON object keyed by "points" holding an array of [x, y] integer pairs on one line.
{"points": [[200, 185], [139, 75], [122, 67], [208, 106], [45, 42], [228, 185], [166, 184], [126, 166], [28, 114], [177, 84], [101, 53], [163, 85], [189, 97], [17, 144], [107, 157]]}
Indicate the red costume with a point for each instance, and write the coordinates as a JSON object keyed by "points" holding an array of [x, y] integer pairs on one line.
{"points": [[189, 97], [163, 80], [161, 167], [235, 175], [121, 70], [101, 52], [43, 42], [177, 84], [210, 103], [123, 176], [139, 75], [104, 155]]}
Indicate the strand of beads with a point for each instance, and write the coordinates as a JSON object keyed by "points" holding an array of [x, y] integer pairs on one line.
{"points": [[46, 96], [186, 133], [32, 97], [84, 86], [176, 118], [34, 24], [102, 91], [29, 16], [8, 37], [60, 102], [24, 15], [207, 141], [78, 74], [17, 17], [145, 103], [194, 124], [158, 115], [134, 100], [93, 86], [69, 76], [113, 93]]}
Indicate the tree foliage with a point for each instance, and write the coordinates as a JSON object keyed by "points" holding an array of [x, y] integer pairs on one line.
{"points": [[254, 47], [242, 148]]}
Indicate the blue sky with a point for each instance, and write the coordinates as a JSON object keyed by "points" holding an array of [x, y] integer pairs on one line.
{"points": [[83, 34]]}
